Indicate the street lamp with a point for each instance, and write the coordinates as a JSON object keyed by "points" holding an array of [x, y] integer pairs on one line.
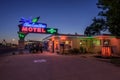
{"points": [[13, 40]]}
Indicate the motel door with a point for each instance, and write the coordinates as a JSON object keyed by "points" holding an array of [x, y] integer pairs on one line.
{"points": [[106, 48], [51, 46]]}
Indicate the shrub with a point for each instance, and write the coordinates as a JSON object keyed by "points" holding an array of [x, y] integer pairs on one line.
{"points": [[82, 50], [115, 61], [74, 51], [70, 51]]}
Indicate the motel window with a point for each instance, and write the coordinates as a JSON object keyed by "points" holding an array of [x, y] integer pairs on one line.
{"points": [[106, 42], [97, 42], [67, 44], [83, 42]]}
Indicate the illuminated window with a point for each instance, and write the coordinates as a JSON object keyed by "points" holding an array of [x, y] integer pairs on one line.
{"points": [[66, 42], [96, 42], [106, 42]]}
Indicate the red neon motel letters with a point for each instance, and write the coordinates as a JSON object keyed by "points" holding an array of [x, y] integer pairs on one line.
{"points": [[33, 29]]}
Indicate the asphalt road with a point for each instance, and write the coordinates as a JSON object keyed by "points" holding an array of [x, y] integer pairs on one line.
{"points": [[56, 67]]}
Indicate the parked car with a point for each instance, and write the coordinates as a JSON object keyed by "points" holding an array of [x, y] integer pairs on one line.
{"points": [[33, 48]]}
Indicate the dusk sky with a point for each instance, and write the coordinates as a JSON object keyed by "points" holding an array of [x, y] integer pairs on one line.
{"points": [[69, 16]]}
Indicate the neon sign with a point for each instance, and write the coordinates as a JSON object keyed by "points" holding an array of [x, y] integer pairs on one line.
{"points": [[33, 26], [42, 25], [32, 22], [21, 35], [38, 30], [51, 30], [32, 29]]}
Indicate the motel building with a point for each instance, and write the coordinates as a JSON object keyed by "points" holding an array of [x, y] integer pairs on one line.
{"points": [[106, 44]]}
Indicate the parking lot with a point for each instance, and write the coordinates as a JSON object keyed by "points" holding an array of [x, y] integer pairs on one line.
{"points": [[49, 66]]}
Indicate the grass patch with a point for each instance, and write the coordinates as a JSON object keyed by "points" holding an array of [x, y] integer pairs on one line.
{"points": [[112, 59], [115, 61]]}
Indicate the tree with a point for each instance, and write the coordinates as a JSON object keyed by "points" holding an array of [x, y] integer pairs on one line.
{"points": [[96, 27], [110, 17], [111, 12]]}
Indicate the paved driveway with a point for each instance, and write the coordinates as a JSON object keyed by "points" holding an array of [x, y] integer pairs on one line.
{"points": [[55, 67]]}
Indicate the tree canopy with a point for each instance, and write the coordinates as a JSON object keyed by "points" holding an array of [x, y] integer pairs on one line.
{"points": [[110, 18], [96, 27]]}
